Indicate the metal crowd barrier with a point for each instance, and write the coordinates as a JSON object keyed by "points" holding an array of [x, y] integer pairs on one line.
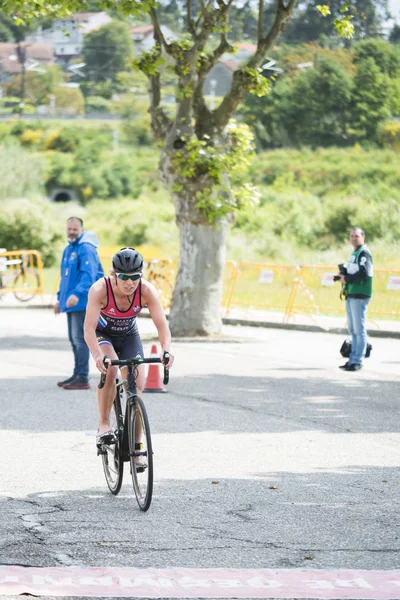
{"points": [[314, 292], [260, 286], [293, 290], [161, 272], [21, 273]]}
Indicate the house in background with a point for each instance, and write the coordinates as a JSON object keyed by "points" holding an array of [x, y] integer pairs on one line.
{"points": [[10, 62], [66, 35], [219, 80], [143, 37]]}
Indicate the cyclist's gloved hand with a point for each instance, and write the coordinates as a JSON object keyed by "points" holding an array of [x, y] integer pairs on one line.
{"points": [[167, 359]]}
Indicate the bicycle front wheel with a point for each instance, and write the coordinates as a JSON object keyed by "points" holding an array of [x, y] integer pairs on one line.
{"points": [[141, 453], [112, 460], [26, 284]]}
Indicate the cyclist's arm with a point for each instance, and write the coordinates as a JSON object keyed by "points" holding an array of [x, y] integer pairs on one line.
{"points": [[151, 299], [93, 309]]}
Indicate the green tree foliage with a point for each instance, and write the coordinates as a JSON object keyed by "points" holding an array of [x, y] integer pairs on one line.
{"points": [[38, 86], [107, 50], [384, 55], [5, 33], [307, 24], [371, 98], [318, 104], [201, 147], [332, 101], [394, 36]]}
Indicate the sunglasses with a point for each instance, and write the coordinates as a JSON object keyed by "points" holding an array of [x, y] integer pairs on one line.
{"points": [[125, 277]]}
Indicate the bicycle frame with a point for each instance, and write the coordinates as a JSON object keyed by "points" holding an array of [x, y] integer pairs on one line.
{"points": [[131, 396], [133, 438]]}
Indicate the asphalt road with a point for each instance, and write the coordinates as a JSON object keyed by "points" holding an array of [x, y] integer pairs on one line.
{"points": [[266, 456]]}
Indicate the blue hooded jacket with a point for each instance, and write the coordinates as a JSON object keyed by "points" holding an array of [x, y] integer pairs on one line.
{"points": [[80, 268]]}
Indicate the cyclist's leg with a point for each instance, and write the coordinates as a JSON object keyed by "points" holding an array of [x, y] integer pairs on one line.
{"points": [[106, 395], [132, 346]]}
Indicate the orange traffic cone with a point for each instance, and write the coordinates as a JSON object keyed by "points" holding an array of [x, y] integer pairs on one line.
{"points": [[153, 381]]}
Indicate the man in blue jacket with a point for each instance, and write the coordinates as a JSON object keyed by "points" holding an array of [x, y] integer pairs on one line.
{"points": [[80, 268]]}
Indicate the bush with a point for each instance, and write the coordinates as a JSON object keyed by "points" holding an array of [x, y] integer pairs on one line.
{"points": [[64, 140], [30, 137], [94, 175], [138, 132], [97, 104], [69, 101], [21, 174], [389, 135], [145, 220], [29, 225], [71, 139]]}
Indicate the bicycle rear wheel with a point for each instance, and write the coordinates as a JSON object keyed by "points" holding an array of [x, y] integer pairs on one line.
{"points": [[26, 282], [112, 459], [141, 451]]}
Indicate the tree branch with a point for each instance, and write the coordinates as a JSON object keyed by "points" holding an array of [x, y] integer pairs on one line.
{"points": [[260, 20], [158, 34], [190, 24], [241, 82], [160, 123]]}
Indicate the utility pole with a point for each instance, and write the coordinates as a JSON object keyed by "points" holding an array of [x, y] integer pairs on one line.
{"points": [[21, 52]]}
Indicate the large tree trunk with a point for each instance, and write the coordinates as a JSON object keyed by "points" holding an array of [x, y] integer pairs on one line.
{"points": [[196, 302]]}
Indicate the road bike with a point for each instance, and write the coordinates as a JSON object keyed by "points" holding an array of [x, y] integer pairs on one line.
{"points": [[132, 438], [17, 277]]}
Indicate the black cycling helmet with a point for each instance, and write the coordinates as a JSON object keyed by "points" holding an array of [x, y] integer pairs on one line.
{"points": [[127, 260]]}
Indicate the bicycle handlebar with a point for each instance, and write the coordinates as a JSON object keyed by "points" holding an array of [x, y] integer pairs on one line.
{"points": [[134, 362]]}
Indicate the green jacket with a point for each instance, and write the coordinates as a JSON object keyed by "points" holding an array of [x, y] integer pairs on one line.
{"points": [[359, 273]]}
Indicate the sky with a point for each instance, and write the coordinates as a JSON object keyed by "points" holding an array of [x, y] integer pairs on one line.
{"points": [[394, 7]]}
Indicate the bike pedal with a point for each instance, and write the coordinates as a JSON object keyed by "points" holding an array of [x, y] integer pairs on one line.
{"points": [[101, 451]]}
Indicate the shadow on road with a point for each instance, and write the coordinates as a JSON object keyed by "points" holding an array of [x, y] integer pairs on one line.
{"points": [[264, 404], [284, 520], [27, 342]]}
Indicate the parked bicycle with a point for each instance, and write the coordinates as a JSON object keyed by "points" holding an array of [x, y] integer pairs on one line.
{"points": [[18, 277], [132, 441]]}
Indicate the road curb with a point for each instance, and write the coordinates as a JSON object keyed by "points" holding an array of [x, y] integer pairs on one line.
{"points": [[382, 333], [373, 333]]}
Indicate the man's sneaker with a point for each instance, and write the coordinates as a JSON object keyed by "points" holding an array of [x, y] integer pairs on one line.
{"points": [[62, 383], [355, 367], [77, 383], [141, 462], [344, 366]]}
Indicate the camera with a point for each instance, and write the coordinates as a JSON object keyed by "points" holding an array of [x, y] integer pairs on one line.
{"points": [[342, 271]]}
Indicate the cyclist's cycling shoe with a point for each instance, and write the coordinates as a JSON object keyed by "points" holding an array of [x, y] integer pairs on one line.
{"points": [[105, 439], [140, 459]]}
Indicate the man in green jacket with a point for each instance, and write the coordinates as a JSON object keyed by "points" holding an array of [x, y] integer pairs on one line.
{"points": [[357, 278]]}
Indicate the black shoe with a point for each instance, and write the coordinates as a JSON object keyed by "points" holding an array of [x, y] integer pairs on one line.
{"points": [[77, 383], [355, 367], [344, 366], [62, 383]]}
